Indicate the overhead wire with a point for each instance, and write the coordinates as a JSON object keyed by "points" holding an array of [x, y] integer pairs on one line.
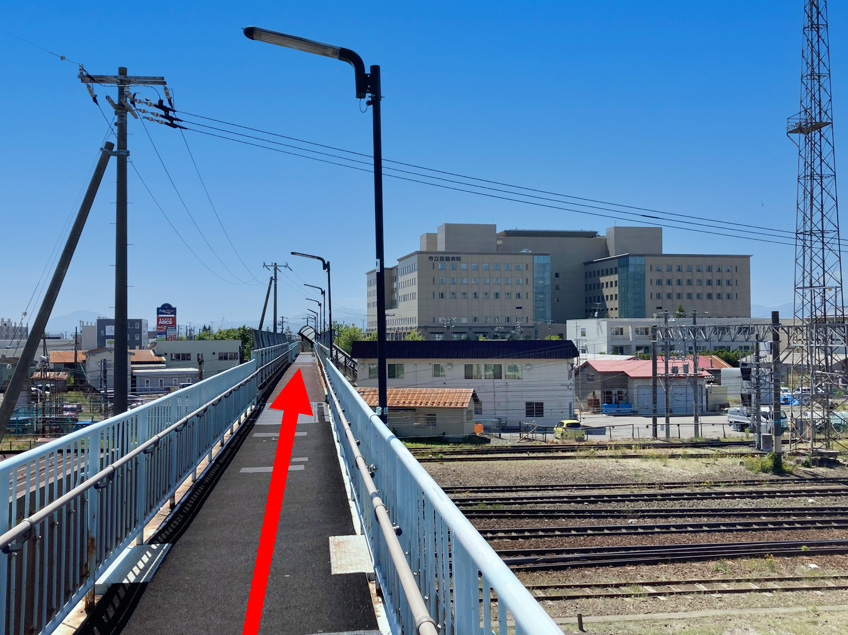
{"points": [[185, 206], [504, 198], [686, 217]]}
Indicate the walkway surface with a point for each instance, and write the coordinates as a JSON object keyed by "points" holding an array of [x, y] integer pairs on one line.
{"points": [[204, 582]]}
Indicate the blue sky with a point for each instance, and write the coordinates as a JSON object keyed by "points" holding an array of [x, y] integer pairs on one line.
{"points": [[674, 106]]}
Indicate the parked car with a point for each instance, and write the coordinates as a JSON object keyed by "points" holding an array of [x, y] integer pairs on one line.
{"points": [[569, 429], [740, 419]]}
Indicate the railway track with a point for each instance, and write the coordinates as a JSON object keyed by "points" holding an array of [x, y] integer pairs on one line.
{"points": [[531, 533], [657, 512], [617, 497], [552, 487], [549, 448], [548, 559], [665, 588]]}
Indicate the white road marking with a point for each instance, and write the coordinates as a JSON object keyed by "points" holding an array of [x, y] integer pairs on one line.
{"points": [[260, 470]]}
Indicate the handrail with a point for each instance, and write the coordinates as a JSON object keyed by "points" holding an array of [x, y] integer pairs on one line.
{"points": [[424, 623], [74, 504], [449, 557]]}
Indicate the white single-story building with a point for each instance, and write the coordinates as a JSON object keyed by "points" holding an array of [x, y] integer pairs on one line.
{"points": [[210, 357], [159, 380], [516, 380]]}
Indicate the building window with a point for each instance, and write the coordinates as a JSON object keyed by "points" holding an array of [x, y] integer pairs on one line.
{"points": [[710, 282], [668, 296], [518, 294], [493, 371], [679, 282], [464, 295], [497, 295], [464, 280], [472, 371], [453, 295], [535, 409], [496, 280], [431, 419], [699, 296], [699, 283], [497, 266], [618, 330], [395, 371], [441, 265], [453, 266], [688, 296], [453, 281], [372, 371], [441, 295], [227, 356], [463, 266], [485, 266], [441, 280], [474, 295], [513, 371], [474, 266], [438, 370], [679, 296], [518, 267], [718, 296], [688, 282], [485, 281], [689, 268]]}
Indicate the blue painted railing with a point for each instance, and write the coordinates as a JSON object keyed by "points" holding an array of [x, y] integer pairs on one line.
{"points": [[467, 588], [73, 505]]}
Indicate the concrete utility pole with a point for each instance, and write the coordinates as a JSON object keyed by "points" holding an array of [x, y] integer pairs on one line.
{"points": [[654, 381], [124, 83], [776, 419], [755, 379], [667, 352], [265, 306], [275, 269], [696, 410], [19, 376]]}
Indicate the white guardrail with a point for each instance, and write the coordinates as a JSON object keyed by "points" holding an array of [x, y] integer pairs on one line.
{"points": [[467, 588], [74, 504]]}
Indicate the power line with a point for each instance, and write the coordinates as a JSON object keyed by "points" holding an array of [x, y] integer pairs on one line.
{"points": [[504, 198], [214, 209], [651, 211], [179, 196], [176, 231]]}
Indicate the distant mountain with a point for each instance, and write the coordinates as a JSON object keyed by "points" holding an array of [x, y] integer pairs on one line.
{"points": [[760, 311], [68, 322]]}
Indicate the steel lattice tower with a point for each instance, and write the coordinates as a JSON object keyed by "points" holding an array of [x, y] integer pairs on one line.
{"points": [[818, 265]]}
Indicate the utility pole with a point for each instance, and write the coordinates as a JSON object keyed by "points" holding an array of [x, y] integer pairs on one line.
{"points": [[124, 83], [275, 268], [19, 376], [265, 306], [776, 419], [667, 352], [755, 379], [654, 381], [695, 388]]}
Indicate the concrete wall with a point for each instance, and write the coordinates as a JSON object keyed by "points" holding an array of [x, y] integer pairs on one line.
{"points": [[450, 422], [466, 237], [634, 240]]}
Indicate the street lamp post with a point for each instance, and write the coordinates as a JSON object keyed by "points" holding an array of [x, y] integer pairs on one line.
{"points": [[326, 266], [366, 84], [323, 299], [315, 319], [320, 328]]}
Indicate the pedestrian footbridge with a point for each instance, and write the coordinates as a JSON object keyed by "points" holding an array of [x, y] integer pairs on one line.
{"points": [[153, 518]]}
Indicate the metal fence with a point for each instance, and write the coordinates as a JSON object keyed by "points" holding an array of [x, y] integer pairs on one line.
{"points": [[73, 505], [467, 587]]}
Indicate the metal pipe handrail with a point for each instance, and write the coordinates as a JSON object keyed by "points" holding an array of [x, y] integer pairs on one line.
{"points": [[424, 623], [528, 615], [18, 531]]}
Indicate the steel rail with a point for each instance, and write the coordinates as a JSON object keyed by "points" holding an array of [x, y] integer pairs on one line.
{"points": [[577, 447], [653, 512], [424, 623], [573, 456], [792, 481], [593, 531], [678, 581], [648, 496]]}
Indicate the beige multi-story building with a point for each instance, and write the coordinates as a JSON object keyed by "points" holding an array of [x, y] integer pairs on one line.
{"points": [[643, 285], [468, 280]]}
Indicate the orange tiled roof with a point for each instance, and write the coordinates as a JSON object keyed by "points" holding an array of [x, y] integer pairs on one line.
{"points": [[65, 357], [145, 356], [421, 397]]}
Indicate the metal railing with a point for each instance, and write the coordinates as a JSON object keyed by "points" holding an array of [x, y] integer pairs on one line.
{"points": [[73, 505], [467, 588]]}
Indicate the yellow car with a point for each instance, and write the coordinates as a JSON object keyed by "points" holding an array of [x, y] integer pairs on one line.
{"points": [[569, 429]]}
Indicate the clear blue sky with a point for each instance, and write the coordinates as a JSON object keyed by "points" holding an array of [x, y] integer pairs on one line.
{"points": [[675, 106]]}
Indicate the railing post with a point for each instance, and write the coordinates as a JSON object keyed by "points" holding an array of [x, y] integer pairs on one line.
{"points": [[141, 476]]}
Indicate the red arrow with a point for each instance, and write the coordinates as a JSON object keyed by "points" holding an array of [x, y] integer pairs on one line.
{"points": [[292, 400]]}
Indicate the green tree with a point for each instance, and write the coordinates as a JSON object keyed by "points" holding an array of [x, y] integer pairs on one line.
{"points": [[243, 333], [346, 334], [731, 357], [553, 337], [679, 312], [414, 336]]}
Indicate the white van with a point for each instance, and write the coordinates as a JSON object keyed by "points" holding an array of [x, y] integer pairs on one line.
{"points": [[740, 418]]}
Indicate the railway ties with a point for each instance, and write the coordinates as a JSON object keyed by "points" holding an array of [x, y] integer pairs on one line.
{"points": [[531, 533], [657, 512], [464, 502], [547, 559], [666, 588]]}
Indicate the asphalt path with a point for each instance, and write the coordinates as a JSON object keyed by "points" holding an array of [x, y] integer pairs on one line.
{"points": [[204, 583]]}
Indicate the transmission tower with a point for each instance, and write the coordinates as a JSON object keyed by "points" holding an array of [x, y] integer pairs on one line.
{"points": [[818, 266]]}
